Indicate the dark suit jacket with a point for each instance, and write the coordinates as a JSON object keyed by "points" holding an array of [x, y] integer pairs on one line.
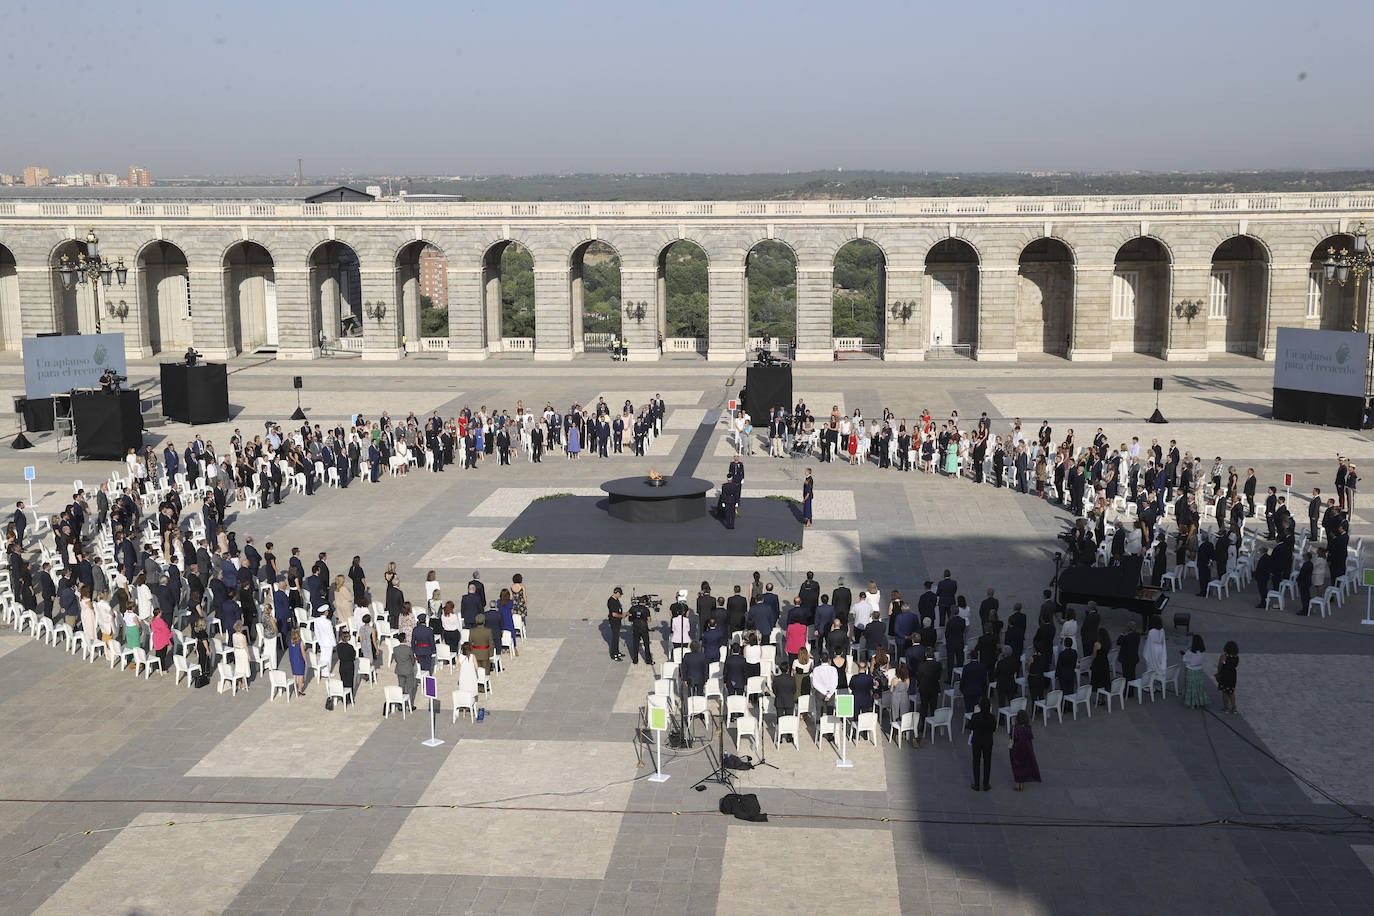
{"points": [[736, 671]]}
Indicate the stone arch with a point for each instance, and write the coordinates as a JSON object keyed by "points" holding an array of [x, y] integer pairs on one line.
{"points": [[1330, 305], [74, 308], [336, 291], [1045, 293], [250, 297], [508, 303], [771, 298], [11, 326], [594, 291], [1142, 278], [1238, 295], [684, 294], [421, 269], [859, 291], [163, 291], [952, 289]]}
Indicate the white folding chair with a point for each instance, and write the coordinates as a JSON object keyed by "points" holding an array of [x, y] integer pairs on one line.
{"points": [[393, 696], [1054, 700], [941, 719], [464, 701], [1117, 691], [278, 680]]}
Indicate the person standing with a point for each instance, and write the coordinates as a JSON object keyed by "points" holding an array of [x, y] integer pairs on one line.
{"points": [[639, 633], [1024, 767], [297, 655], [1194, 687], [808, 492], [1342, 472], [1226, 675], [403, 658], [982, 726], [1314, 512], [347, 663], [1352, 480], [615, 616]]}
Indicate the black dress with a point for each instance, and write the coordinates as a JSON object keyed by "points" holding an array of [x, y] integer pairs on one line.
{"points": [[1101, 669], [1226, 674]]}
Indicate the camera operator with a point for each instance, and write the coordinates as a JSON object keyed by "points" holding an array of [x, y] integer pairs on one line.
{"points": [[640, 618], [191, 357]]}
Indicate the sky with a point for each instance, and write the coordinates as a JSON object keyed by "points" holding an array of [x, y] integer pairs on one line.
{"points": [[425, 87]]}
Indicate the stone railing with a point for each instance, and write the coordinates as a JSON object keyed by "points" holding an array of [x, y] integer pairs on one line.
{"points": [[684, 345], [517, 344], [595, 341], [910, 207], [427, 345], [347, 344]]}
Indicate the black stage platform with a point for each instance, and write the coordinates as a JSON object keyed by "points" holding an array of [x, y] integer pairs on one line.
{"points": [[581, 525], [195, 394], [674, 499]]}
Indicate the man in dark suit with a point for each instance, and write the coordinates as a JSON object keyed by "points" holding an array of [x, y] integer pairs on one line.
{"points": [[295, 565], [469, 606], [1262, 567], [729, 502], [862, 685], [321, 569], [1251, 482], [285, 619], [478, 587], [1304, 583], [842, 599], [422, 643], [1205, 552], [396, 603], [955, 637], [1128, 651], [763, 617], [736, 671], [928, 674], [47, 589], [823, 618], [694, 669], [1066, 668], [1016, 630], [810, 594], [945, 591], [736, 610], [21, 522], [736, 470], [253, 558], [875, 635]]}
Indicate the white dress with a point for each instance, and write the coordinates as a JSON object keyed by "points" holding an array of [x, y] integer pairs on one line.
{"points": [[242, 657], [467, 675], [1156, 655]]}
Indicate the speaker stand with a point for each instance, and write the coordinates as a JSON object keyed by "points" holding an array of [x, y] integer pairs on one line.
{"points": [[299, 414], [21, 441], [1156, 417]]}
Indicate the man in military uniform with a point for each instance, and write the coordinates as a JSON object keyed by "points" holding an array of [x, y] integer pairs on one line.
{"points": [[615, 615], [639, 633]]}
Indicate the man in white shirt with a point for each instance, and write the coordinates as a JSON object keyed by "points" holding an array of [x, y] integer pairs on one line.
{"points": [[825, 680], [1134, 450]]}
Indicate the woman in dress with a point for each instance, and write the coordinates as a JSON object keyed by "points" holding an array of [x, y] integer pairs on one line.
{"points": [[519, 595], [808, 492], [506, 605], [1194, 684], [1156, 659], [1069, 630], [205, 651], [467, 672], [343, 596], [1024, 767], [242, 659], [431, 585], [854, 449], [297, 655], [451, 627], [952, 453], [133, 634], [1100, 668], [1226, 675], [574, 442]]}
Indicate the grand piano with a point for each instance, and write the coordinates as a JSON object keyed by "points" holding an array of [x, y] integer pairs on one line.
{"points": [[1113, 586]]}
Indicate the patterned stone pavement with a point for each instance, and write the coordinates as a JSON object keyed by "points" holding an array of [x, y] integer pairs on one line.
{"points": [[126, 795]]}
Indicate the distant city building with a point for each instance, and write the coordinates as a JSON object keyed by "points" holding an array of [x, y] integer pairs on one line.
{"points": [[139, 178], [434, 276], [35, 177], [374, 189]]}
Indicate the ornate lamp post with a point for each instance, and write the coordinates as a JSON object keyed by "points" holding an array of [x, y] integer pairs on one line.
{"points": [[90, 268], [636, 310], [1350, 264], [902, 311]]}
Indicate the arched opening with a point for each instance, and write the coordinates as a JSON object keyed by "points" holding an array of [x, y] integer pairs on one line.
{"points": [[1237, 295], [336, 292], [860, 292], [1330, 305], [508, 297], [164, 292], [1044, 298], [684, 298], [594, 295], [1140, 297], [952, 269], [11, 330], [770, 288], [421, 292], [75, 306], [250, 297]]}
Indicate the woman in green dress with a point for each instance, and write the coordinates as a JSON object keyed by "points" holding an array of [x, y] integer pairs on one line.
{"points": [[1194, 681], [952, 454]]}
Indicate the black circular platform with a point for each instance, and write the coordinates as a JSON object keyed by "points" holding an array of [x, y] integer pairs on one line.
{"points": [[673, 499]]}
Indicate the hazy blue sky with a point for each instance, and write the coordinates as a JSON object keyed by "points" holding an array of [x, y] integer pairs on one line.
{"points": [[439, 87]]}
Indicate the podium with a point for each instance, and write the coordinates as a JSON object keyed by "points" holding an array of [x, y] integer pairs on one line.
{"points": [[195, 394], [769, 387], [107, 423]]}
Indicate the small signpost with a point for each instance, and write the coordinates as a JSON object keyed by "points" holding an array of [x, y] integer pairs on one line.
{"points": [[431, 687], [1287, 486], [658, 723], [1368, 597], [29, 475], [844, 711]]}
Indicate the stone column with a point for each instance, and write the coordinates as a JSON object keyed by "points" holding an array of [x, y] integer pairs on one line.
{"points": [[552, 314], [729, 319], [210, 311], [465, 320], [996, 312], [639, 283], [1090, 335], [905, 341], [1186, 341], [815, 313], [381, 337], [1287, 305], [409, 297], [295, 325]]}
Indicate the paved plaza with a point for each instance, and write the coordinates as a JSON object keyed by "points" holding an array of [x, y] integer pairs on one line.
{"points": [[125, 795]]}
